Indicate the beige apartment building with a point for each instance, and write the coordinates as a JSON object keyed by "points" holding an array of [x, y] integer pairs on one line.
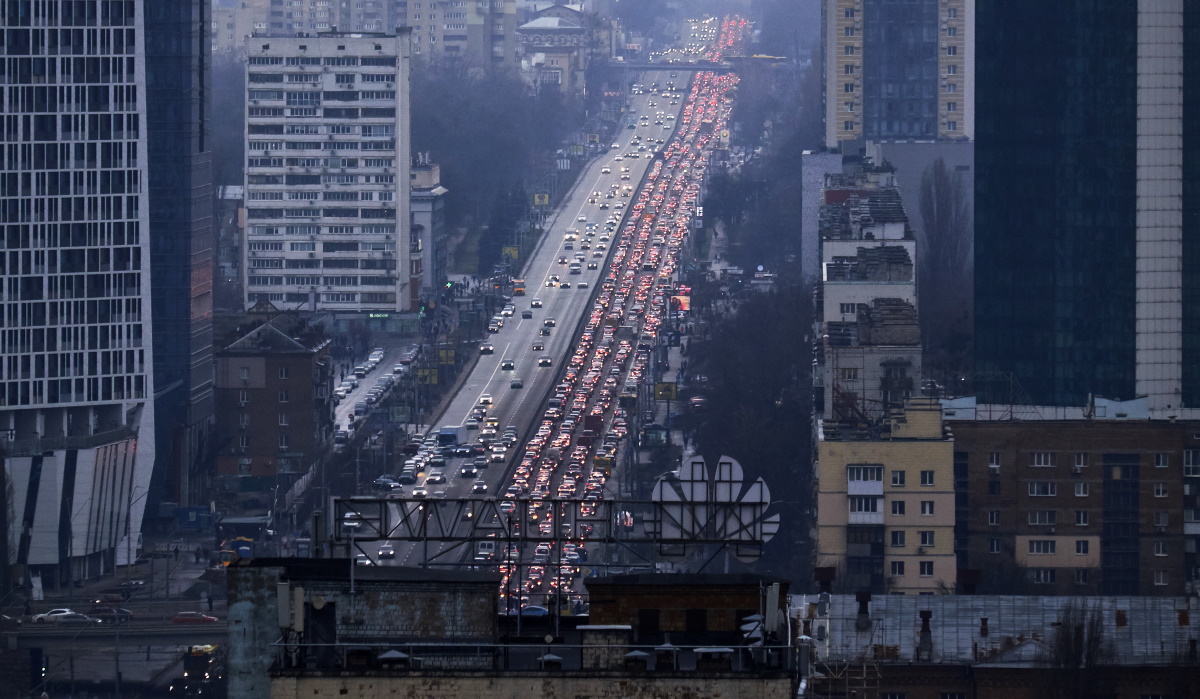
{"points": [[479, 31], [885, 502], [898, 70]]}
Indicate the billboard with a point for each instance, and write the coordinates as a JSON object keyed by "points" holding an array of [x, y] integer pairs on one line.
{"points": [[681, 303]]}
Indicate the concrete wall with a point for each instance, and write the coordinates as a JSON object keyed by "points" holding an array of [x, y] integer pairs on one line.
{"points": [[618, 685]]}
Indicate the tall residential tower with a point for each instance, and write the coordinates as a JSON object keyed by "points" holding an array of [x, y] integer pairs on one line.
{"points": [[898, 69], [327, 176], [76, 336]]}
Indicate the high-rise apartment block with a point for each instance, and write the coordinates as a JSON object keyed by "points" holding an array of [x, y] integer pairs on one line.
{"points": [[76, 340], [898, 69], [327, 176], [479, 31], [1087, 239]]}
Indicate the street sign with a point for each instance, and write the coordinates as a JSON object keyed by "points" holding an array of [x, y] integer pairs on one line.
{"points": [[541, 199], [446, 356], [512, 252], [427, 376]]}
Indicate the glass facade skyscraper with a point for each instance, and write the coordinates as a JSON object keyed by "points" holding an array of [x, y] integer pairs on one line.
{"points": [[1081, 242]]}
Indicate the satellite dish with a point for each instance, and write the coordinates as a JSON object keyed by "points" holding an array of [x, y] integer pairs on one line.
{"points": [[760, 268], [318, 603]]}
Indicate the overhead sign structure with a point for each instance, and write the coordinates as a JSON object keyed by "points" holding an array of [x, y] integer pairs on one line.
{"points": [[707, 504]]}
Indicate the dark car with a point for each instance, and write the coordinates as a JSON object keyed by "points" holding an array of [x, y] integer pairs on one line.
{"points": [[111, 615], [526, 314]]}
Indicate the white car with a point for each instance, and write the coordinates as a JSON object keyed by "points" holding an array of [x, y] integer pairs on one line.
{"points": [[51, 615], [485, 399]]}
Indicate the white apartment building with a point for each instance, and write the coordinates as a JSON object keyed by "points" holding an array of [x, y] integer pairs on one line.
{"points": [[327, 176]]}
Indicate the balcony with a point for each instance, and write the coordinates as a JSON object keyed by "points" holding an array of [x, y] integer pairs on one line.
{"points": [[865, 518], [865, 488]]}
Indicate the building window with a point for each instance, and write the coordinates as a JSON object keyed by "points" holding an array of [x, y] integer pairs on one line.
{"points": [[898, 568], [951, 695], [245, 371], [244, 442], [1162, 519], [1081, 490], [1042, 576], [1041, 547], [1162, 460], [898, 508], [993, 487], [1081, 460], [847, 126], [952, 13], [283, 441], [1191, 462], [1081, 547], [849, 31], [952, 31], [1160, 490], [1081, 518], [926, 477], [1042, 459], [951, 50], [951, 87], [847, 374], [994, 518], [1160, 548], [926, 569], [244, 467], [893, 695], [1043, 489], [993, 546], [952, 106], [927, 507], [283, 419], [1043, 517], [244, 420], [848, 88], [952, 70], [898, 479], [1160, 577], [849, 108], [864, 504], [848, 50], [926, 538], [994, 459], [849, 13], [283, 373], [243, 397], [848, 308], [283, 396], [898, 539], [1081, 576], [864, 473]]}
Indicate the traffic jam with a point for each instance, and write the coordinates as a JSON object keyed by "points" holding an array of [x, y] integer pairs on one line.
{"points": [[573, 450]]}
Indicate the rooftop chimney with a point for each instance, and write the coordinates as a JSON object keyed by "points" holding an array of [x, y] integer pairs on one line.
{"points": [[863, 621], [925, 644]]}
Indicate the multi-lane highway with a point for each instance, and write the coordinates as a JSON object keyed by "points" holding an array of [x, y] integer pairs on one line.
{"points": [[599, 343]]}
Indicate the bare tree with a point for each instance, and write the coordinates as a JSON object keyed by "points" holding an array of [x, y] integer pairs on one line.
{"points": [[945, 268], [1074, 657]]}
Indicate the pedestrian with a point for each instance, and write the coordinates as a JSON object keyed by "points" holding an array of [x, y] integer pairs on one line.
{"points": [[176, 552], [210, 602]]}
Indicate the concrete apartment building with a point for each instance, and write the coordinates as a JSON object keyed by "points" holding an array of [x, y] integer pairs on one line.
{"points": [[275, 413], [328, 177], [898, 69], [1104, 503], [106, 241], [869, 346], [885, 502], [480, 32]]}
